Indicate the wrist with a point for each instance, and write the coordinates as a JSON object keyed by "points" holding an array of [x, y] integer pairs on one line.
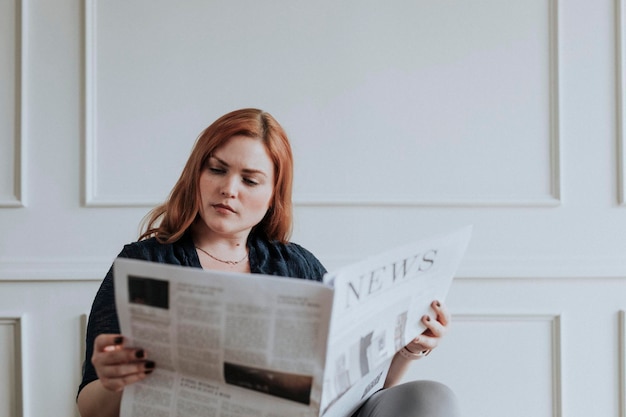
{"points": [[408, 354]]}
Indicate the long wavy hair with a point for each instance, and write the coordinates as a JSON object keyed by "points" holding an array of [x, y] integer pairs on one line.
{"points": [[169, 221]]}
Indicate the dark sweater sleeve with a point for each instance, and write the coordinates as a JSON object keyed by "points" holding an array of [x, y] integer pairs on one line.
{"points": [[102, 319]]}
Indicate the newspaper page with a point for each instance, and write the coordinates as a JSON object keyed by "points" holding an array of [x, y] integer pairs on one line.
{"points": [[235, 345], [377, 309], [225, 345]]}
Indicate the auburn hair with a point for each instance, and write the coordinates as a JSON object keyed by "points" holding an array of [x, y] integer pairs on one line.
{"points": [[170, 220]]}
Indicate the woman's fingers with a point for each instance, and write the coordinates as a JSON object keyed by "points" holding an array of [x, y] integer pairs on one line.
{"points": [[436, 328], [443, 315], [118, 356], [123, 375], [118, 384], [120, 370], [108, 342], [118, 365]]}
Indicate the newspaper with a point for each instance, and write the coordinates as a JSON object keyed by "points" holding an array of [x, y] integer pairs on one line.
{"points": [[248, 345]]}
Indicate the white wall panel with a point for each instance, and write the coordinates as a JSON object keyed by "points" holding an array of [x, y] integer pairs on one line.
{"points": [[367, 91], [10, 104], [490, 384], [42, 350], [11, 400]]}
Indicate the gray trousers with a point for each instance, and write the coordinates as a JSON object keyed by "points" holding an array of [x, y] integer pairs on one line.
{"points": [[412, 399]]}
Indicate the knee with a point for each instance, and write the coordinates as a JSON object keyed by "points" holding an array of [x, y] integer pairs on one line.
{"points": [[433, 398], [413, 399], [430, 388]]}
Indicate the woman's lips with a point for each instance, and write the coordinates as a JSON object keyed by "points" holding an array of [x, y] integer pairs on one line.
{"points": [[223, 208]]}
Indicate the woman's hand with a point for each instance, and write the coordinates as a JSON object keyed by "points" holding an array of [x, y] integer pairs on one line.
{"points": [[118, 365], [430, 338], [436, 328]]}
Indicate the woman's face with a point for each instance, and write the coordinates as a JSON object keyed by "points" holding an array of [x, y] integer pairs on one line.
{"points": [[236, 187]]}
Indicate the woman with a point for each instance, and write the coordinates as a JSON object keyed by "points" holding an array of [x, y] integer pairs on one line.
{"points": [[231, 211]]}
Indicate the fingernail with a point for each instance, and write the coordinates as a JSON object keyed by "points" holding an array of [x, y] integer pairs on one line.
{"points": [[118, 340], [437, 303], [427, 318], [149, 365], [139, 354]]}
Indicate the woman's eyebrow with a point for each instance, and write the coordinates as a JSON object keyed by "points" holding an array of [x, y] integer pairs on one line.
{"points": [[246, 170], [221, 161]]}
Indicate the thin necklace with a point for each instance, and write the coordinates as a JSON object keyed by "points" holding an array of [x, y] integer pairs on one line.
{"points": [[233, 263]]}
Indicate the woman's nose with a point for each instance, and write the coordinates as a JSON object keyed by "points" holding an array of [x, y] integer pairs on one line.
{"points": [[229, 188]]}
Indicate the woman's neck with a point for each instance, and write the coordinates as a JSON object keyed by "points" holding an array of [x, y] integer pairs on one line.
{"points": [[227, 253]]}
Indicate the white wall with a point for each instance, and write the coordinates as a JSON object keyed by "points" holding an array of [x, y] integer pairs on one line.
{"points": [[407, 118]]}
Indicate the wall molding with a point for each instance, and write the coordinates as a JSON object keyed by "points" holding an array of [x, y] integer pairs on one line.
{"points": [[622, 362], [93, 198], [90, 196], [17, 199], [555, 131], [83, 321], [15, 326], [95, 268], [621, 100], [532, 268], [312, 200], [54, 269], [554, 321], [527, 268]]}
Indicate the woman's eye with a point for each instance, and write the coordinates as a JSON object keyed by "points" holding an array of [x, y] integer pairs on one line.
{"points": [[216, 170], [250, 181]]}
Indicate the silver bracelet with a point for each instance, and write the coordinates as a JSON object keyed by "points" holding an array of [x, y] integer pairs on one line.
{"points": [[405, 353]]}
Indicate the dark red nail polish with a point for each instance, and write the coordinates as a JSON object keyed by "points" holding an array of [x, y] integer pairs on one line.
{"points": [[139, 354], [149, 365], [118, 340]]}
